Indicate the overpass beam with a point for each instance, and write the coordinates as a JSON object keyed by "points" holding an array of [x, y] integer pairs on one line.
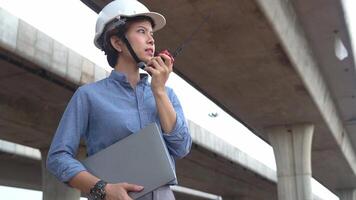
{"points": [[347, 194], [54, 189], [292, 150]]}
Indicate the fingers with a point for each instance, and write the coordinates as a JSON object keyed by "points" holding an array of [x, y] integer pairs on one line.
{"points": [[150, 70], [153, 67], [117, 191], [157, 63], [154, 62], [132, 187], [168, 61], [160, 61]]}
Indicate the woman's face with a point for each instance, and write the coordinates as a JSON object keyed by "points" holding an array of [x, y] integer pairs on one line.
{"points": [[140, 36]]}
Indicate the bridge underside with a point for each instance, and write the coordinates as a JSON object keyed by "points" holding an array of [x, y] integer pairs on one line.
{"points": [[32, 100], [238, 60]]}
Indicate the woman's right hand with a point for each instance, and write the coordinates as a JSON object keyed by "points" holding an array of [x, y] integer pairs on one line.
{"points": [[118, 191]]}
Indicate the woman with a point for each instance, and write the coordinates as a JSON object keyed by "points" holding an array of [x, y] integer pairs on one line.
{"points": [[108, 110]]}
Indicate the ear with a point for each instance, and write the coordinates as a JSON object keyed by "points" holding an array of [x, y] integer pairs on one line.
{"points": [[116, 43]]}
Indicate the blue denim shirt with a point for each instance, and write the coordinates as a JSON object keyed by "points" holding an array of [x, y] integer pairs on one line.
{"points": [[107, 111]]}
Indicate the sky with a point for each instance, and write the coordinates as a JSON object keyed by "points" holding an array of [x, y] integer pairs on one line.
{"points": [[72, 23]]}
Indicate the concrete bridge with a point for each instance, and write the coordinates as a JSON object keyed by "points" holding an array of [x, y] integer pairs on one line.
{"points": [[278, 74], [270, 64], [38, 77]]}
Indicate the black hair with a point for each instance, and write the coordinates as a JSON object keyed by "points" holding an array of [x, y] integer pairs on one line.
{"points": [[118, 28]]}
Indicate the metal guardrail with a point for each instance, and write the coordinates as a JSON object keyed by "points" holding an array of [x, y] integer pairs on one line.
{"points": [[197, 193]]}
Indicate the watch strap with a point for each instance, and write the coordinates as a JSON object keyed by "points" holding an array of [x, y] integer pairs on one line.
{"points": [[98, 191]]}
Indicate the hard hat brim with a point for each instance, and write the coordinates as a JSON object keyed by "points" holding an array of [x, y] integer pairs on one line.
{"points": [[158, 19]]}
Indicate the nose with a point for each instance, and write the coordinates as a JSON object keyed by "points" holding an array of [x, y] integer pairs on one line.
{"points": [[150, 39]]}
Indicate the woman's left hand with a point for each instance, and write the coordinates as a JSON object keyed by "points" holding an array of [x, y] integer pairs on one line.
{"points": [[159, 71]]}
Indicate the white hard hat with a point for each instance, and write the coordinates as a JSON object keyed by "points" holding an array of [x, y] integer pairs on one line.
{"points": [[124, 8]]}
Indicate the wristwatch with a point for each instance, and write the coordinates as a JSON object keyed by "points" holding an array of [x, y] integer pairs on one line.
{"points": [[98, 191]]}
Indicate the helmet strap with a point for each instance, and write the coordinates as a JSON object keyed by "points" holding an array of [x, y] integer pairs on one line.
{"points": [[140, 63]]}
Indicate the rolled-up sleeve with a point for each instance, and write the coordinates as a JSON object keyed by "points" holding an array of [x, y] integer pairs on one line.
{"points": [[61, 160], [178, 141]]}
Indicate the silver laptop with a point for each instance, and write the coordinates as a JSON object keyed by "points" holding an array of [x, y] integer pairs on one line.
{"points": [[141, 158]]}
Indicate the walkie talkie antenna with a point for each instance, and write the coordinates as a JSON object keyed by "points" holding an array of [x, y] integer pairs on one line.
{"points": [[142, 65], [187, 40]]}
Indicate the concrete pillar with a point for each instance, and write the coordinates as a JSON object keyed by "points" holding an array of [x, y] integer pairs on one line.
{"points": [[54, 189], [347, 194], [292, 150]]}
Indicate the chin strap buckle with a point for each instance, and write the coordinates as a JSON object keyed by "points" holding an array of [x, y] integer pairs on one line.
{"points": [[141, 65]]}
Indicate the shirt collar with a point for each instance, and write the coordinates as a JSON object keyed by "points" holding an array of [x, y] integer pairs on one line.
{"points": [[122, 77]]}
